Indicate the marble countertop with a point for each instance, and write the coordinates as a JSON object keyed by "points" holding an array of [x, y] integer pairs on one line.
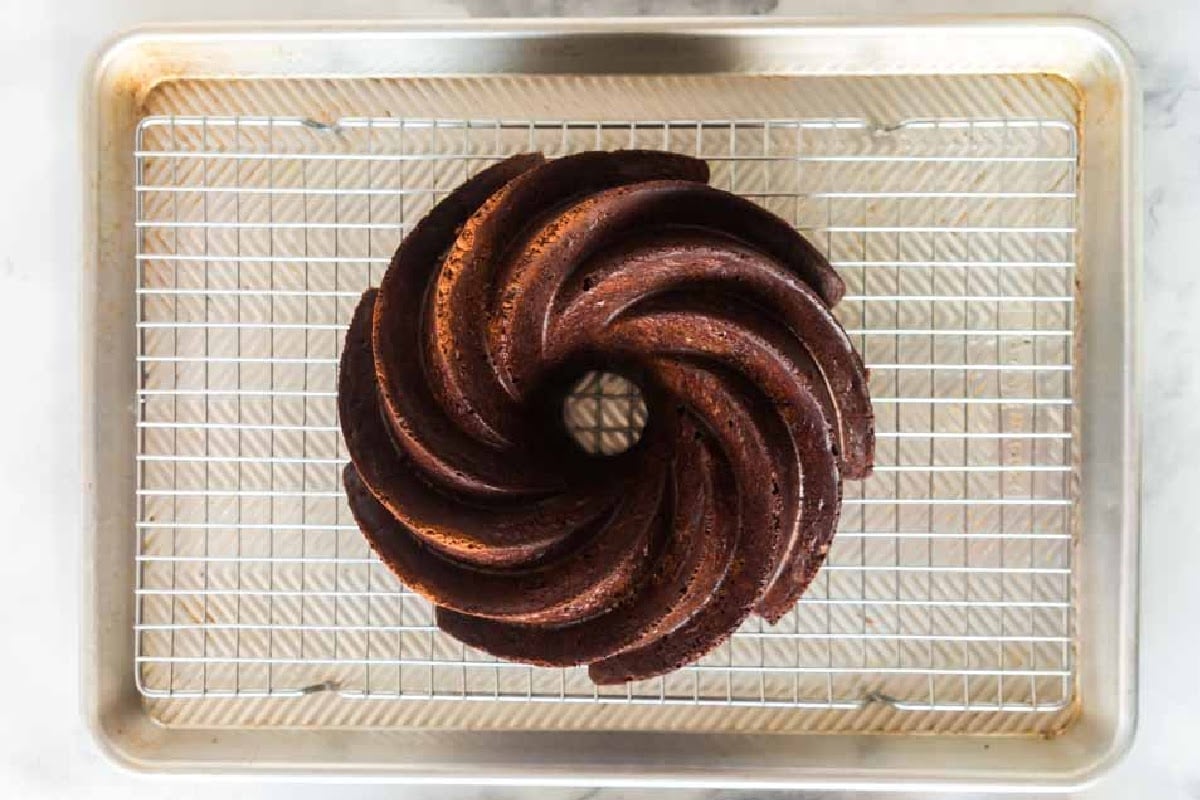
{"points": [[44, 47]]}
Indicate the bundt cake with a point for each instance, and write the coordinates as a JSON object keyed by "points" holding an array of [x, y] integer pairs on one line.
{"points": [[465, 481]]}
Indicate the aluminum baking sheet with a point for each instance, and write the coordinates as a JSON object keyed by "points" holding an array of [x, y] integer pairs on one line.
{"points": [[950, 203]]}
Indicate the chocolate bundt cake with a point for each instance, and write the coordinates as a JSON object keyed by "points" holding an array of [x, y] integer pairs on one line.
{"points": [[465, 480]]}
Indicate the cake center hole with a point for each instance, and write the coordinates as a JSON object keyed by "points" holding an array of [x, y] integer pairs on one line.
{"points": [[605, 413]]}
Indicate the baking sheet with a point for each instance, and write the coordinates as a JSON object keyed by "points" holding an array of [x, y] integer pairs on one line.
{"points": [[874, 107]]}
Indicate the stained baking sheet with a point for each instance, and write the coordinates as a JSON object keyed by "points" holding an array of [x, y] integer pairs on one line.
{"points": [[974, 182]]}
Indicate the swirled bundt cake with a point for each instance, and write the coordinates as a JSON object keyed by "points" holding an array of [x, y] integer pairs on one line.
{"points": [[465, 480]]}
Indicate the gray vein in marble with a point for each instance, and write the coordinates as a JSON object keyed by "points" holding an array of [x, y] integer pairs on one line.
{"points": [[588, 8]]}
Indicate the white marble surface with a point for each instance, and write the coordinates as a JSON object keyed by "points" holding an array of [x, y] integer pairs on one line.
{"points": [[44, 751]]}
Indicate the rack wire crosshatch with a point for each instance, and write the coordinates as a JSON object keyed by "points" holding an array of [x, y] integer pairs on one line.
{"points": [[949, 586]]}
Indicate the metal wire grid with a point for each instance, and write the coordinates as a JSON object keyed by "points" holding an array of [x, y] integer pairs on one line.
{"points": [[604, 413], [949, 584]]}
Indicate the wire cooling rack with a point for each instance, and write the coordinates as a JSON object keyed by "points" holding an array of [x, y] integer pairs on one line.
{"points": [[949, 586]]}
